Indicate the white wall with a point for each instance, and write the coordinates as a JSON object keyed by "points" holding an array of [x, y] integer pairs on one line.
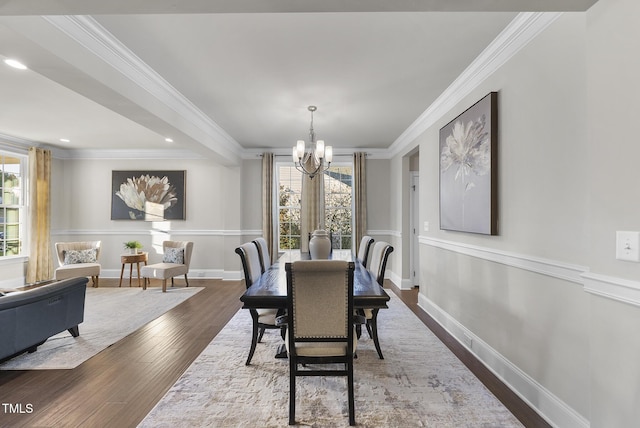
{"points": [[613, 91], [220, 211], [529, 302]]}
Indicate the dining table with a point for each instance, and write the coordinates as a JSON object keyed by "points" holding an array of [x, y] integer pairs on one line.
{"points": [[270, 291]]}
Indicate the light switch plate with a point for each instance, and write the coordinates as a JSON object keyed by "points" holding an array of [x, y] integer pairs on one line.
{"points": [[628, 246]]}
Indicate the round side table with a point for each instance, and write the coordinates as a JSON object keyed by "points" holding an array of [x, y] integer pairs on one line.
{"points": [[131, 259]]}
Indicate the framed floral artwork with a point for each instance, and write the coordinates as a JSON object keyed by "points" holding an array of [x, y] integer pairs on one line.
{"points": [[148, 195], [469, 169]]}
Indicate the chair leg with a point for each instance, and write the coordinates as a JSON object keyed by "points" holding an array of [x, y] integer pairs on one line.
{"points": [[292, 393], [352, 409], [260, 334], [172, 281], [374, 331], [164, 285], [254, 337], [144, 282], [186, 279]]}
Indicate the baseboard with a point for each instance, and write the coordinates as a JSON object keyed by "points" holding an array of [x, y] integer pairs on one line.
{"points": [[551, 408], [193, 273]]}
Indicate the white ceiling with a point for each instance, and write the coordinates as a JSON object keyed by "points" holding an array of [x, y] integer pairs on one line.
{"points": [[223, 78]]}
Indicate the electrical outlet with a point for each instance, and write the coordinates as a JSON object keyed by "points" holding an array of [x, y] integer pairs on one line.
{"points": [[628, 246]]}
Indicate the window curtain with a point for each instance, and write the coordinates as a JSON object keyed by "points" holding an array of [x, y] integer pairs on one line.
{"points": [[312, 210], [359, 198], [40, 265], [267, 203]]}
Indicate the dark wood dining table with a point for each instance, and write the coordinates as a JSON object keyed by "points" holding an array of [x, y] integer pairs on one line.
{"points": [[270, 291]]}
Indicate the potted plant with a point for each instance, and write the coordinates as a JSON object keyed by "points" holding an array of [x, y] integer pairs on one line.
{"points": [[133, 246]]}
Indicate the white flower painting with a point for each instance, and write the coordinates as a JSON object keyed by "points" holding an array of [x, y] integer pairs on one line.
{"points": [[467, 172], [137, 192]]}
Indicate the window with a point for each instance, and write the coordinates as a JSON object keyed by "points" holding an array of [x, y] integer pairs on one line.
{"points": [[337, 205], [11, 204], [289, 205], [338, 196]]}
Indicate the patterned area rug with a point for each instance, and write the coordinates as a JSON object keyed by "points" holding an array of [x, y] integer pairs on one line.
{"points": [[109, 315], [420, 383]]}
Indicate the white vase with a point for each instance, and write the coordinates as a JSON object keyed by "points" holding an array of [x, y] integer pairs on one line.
{"points": [[320, 245]]}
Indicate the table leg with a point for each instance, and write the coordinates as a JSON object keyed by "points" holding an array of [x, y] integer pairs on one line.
{"points": [[130, 273], [121, 273], [138, 267]]}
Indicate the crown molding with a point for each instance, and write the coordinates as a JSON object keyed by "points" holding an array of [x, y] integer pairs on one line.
{"points": [[87, 32], [97, 40], [524, 28], [337, 152], [125, 154]]}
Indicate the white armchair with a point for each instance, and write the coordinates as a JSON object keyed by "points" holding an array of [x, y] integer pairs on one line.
{"points": [[176, 260], [78, 259]]}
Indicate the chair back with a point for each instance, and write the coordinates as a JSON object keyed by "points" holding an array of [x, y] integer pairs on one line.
{"points": [[61, 247], [251, 266], [363, 249], [187, 245], [379, 256], [263, 250], [320, 297]]}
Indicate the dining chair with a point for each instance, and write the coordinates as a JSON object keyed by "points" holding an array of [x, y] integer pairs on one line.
{"points": [[320, 320], [363, 249], [263, 319], [377, 268], [176, 259], [263, 251]]}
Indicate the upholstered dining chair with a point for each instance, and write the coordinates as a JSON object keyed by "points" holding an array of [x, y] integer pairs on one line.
{"points": [[263, 251], [175, 261], [320, 322], [363, 249], [377, 268], [78, 259], [263, 319]]}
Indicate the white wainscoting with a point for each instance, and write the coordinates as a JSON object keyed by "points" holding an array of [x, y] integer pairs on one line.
{"points": [[550, 407]]}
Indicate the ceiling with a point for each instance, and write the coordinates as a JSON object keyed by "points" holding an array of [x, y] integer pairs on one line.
{"points": [[227, 78]]}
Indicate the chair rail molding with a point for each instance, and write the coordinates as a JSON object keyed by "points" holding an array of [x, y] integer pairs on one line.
{"points": [[615, 288], [564, 271], [393, 233], [157, 231], [622, 290]]}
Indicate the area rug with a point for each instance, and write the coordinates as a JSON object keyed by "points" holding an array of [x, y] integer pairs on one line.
{"points": [[110, 314], [420, 383]]}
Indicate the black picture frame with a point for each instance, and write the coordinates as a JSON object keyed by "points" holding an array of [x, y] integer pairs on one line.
{"points": [[468, 160], [145, 195]]}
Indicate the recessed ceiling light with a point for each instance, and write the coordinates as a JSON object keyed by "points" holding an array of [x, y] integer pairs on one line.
{"points": [[168, 140], [15, 64], [65, 140]]}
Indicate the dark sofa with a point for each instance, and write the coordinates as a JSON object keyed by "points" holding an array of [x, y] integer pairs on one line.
{"points": [[28, 318]]}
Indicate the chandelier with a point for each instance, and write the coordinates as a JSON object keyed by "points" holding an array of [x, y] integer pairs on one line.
{"points": [[315, 151]]}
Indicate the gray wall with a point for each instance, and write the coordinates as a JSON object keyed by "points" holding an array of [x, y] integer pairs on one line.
{"points": [[545, 304]]}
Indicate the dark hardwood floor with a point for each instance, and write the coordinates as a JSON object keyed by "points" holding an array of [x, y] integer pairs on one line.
{"points": [[120, 385]]}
